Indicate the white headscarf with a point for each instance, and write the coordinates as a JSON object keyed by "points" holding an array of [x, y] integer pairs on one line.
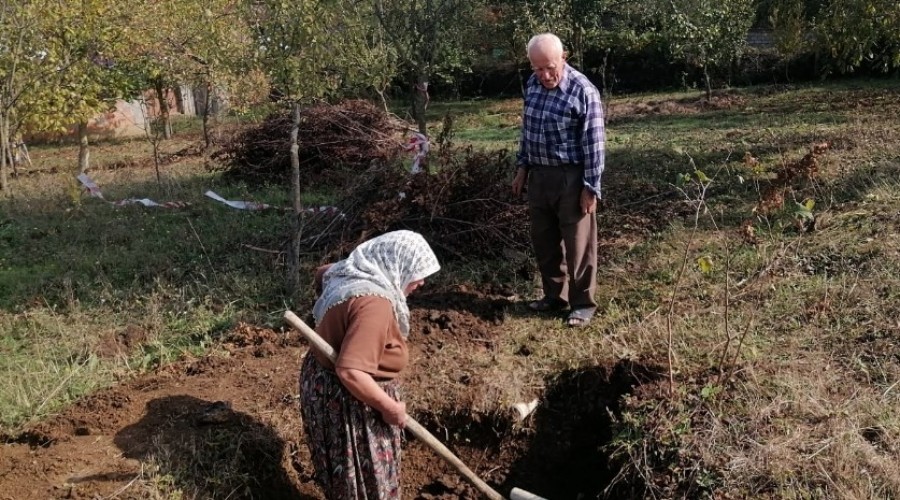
{"points": [[382, 266]]}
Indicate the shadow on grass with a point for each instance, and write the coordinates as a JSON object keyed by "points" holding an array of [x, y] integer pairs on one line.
{"points": [[858, 184], [210, 450]]}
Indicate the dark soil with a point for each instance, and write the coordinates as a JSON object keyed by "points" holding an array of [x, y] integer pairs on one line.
{"points": [[235, 417]]}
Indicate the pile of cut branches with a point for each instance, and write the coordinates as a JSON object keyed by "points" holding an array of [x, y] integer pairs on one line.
{"points": [[352, 134], [465, 208]]}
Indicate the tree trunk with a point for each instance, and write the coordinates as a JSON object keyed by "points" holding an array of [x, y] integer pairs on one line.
{"points": [[606, 90], [708, 83], [293, 265], [603, 69], [154, 142], [384, 102], [577, 53], [205, 115], [163, 109], [420, 102], [12, 154], [12, 150], [84, 154], [522, 81], [4, 148]]}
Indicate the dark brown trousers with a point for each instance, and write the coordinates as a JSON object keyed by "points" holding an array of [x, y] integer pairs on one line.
{"points": [[564, 239]]}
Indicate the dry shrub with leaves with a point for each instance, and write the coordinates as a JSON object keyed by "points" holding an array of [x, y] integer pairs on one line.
{"points": [[790, 179]]}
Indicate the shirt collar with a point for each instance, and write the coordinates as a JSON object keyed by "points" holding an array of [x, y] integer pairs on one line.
{"points": [[563, 82]]}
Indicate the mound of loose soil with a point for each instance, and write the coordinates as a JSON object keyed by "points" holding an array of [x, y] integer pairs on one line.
{"points": [[228, 425]]}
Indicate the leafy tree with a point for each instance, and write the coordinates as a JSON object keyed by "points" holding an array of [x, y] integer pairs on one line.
{"points": [[848, 34], [707, 34], [203, 43], [854, 32], [578, 23], [151, 57], [609, 29], [791, 29], [23, 66], [428, 38], [511, 29], [628, 27], [81, 42]]}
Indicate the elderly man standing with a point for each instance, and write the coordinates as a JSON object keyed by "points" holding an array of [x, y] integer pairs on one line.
{"points": [[560, 157]]}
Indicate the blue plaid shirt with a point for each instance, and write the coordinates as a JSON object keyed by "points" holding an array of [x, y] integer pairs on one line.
{"points": [[564, 126]]}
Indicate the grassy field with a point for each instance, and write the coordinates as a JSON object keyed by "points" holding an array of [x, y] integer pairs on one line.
{"points": [[773, 330]]}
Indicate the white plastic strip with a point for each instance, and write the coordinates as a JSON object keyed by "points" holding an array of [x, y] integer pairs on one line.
{"points": [[240, 205], [252, 205], [94, 191]]}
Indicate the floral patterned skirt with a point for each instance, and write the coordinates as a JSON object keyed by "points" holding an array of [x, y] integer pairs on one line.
{"points": [[356, 454]]}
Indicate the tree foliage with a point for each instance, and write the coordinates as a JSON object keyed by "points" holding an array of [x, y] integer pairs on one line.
{"points": [[428, 37], [856, 32], [576, 22], [707, 34], [23, 66], [791, 31], [83, 42], [313, 50], [204, 44], [63, 68]]}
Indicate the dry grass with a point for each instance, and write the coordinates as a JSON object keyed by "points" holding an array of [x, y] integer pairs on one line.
{"points": [[810, 411]]}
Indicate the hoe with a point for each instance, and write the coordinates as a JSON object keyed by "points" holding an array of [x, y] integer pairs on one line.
{"points": [[420, 432]]}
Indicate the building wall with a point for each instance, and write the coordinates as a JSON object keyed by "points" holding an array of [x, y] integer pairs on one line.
{"points": [[129, 118]]}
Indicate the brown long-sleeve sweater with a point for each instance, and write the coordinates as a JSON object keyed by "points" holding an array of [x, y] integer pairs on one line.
{"points": [[364, 332]]}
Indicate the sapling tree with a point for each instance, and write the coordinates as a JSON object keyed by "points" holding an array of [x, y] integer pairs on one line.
{"points": [[428, 38], [306, 47], [791, 30]]}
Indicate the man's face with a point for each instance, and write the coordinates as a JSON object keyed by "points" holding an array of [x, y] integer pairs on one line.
{"points": [[547, 66]]}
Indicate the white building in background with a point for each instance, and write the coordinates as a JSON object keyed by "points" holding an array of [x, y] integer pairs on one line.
{"points": [[131, 118]]}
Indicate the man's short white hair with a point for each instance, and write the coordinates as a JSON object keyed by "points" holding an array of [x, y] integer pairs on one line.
{"points": [[545, 39]]}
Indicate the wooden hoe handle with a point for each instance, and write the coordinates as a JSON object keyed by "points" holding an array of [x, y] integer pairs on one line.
{"points": [[417, 430]]}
